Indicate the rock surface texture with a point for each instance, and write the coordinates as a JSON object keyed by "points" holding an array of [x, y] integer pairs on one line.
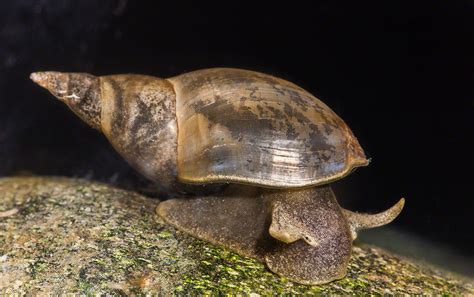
{"points": [[62, 235]]}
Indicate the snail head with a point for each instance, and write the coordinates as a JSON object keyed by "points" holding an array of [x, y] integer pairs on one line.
{"points": [[80, 91], [289, 228]]}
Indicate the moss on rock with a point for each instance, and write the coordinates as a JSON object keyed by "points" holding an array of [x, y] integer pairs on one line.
{"points": [[61, 235]]}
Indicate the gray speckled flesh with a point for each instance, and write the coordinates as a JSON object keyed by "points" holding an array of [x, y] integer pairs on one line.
{"points": [[238, 221], [248, 127]]}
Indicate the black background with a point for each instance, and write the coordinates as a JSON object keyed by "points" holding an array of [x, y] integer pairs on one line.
{"points": [[399, 73]]}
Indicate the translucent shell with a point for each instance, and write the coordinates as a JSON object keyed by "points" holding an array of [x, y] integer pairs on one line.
{"points": [[247, 127]]}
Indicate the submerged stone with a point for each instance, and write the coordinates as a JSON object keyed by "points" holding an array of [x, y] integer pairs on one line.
{"points": [[61, 235]]}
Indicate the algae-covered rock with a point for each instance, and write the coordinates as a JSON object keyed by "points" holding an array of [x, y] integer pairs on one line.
{"points": [[62, 235]]}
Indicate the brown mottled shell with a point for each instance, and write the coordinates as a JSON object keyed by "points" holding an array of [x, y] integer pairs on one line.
{"points": [[138, 118], [248, 127]]}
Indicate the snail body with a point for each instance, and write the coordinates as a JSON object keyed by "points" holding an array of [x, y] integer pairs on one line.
{"points": [[249, 129]]}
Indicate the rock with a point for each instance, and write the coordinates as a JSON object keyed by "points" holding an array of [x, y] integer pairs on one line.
{"points": [[61, 235]]}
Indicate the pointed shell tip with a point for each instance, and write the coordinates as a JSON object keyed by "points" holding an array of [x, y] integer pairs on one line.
{"points": [[35, 76]]}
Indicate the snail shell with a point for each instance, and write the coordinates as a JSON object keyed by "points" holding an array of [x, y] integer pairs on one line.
{"points": [[214, 125]]}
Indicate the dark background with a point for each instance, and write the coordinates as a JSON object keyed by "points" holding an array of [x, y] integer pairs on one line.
{"points": [[399, 73]]}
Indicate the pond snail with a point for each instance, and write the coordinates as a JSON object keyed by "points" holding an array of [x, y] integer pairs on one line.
{"points": [[274, 144]]}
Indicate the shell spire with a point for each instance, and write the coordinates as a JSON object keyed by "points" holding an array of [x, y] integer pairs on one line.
{"points": [[79, 91]]}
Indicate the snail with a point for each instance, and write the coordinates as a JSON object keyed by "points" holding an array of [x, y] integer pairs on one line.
{"points": [[275, 145]]}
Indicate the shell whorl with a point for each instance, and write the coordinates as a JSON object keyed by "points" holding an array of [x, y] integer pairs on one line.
{"points": [[247, 127], [139, 119], [80, 91]]}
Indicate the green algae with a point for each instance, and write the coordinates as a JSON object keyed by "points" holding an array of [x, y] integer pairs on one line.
{"points": [[221, 271]]}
